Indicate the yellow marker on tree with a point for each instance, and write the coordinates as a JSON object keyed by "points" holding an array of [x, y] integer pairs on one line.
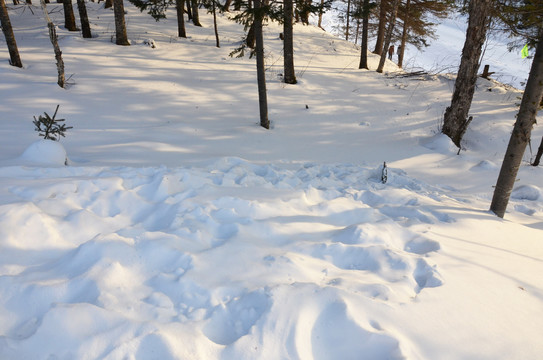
{"points": [[524, 51]]}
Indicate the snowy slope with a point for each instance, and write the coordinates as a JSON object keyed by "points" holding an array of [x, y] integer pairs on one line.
{"points": [[180, 229]]}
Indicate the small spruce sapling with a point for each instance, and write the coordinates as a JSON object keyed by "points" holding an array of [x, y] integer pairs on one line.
{"points": [[49, 127]]}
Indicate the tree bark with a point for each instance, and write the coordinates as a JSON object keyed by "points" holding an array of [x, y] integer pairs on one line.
{"points": [[288, 46], [217, 43], [260, 70], [388, 37], [85, 25], [521, 133], [456, 115], [364, 46], [69, 17], [381, 27], [15, 59], [539, 154], [54, 40], [121, 38], [108, 4], [401, 49], [195, 15], [321, 11], [250, 39], [348, 18], [180, 8], [226, 6]]}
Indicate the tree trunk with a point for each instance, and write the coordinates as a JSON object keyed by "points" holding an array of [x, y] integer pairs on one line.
{"points": [[189, 10], [401, 49], [288, 46], [539, 154], [217, 43], [388, 37], [364, 46], [195, 15], [121, 38], [15, 60], [108, 4], [521, 133], [250, 39], [348, 17], [69, 17], [180, 8], [227, 4], [456, 116], [381, 28], [260, 70], [54, 40], [321, 11], [85, 25]]}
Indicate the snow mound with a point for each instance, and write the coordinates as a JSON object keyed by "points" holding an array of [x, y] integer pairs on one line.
{"points": [[440, 143], [526, 192], [45, 152]]}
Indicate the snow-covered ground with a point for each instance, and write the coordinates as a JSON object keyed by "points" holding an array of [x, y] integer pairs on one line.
{"points": [[180, 229]]}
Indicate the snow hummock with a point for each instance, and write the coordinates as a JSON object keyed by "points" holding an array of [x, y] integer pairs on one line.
{"points": [[180, 229], [45, 152]]}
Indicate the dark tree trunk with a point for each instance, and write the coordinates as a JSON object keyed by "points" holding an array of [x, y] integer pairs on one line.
{"points": [[180, 8], [121, 38], [189, 10], [15, 60], [69, 17], [288, 46], [195, 15], [321, 11], [455, 121], [401, 49], [15, 2], [381, 27], [521, 133], [260, 70], [539, 154], [227, 4], [348, 18], [217, 43], [250, 39], [108, 4], [85, 25], [364, 47], [388, 37]]}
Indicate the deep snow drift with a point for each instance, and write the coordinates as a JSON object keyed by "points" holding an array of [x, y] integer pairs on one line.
{"points": [[180, 229]]}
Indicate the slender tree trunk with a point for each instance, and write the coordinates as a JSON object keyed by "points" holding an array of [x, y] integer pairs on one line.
{"points": [[348, 17], [365, 24], [121, 38], [288, 46], [15, 2], [321, 11], [15, 60], [189, 10], [217, 43], [381, 27], [227, 4], [180, 8], [401, 49], [260, 70], [108, 4], [195, 15], [455, 121], [69, 17], [388, 37], [85, 25], [54, 40], [521, 133], [250, 39], [539, 154]]}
